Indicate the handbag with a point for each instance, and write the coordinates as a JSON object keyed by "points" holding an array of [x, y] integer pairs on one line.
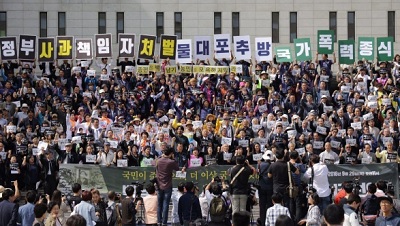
{"points": [[292, 190]]}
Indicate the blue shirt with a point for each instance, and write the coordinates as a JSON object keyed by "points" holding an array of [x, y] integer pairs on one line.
{"points": [[26, 215]]}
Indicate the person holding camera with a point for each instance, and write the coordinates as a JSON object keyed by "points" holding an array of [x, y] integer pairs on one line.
{"points": [[265, 192], [164, 168], [240, 174], [318, 173]]}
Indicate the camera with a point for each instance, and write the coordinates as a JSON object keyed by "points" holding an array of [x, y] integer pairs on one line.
{"points": [[217, 179], [139, 188]]}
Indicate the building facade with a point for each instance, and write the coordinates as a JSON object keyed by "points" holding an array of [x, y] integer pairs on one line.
{"points": [[283, 20]]}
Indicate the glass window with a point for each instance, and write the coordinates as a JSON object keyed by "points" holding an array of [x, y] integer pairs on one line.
{"points": [[120, 23], [62, 23], [43, 24], [3, 24], [217, 23], [102, 23], [293, 26], [235, 24], [159, 24], [178, 24], [351, 25], [392, 24], [275, 27], [333, 23]]}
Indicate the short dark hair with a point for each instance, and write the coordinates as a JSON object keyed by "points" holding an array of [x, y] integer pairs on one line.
{"points": [[316, 198], [76, 220], [7, 193], [86, 196], [76, 188], [241, 218], [240, 160], [334, 214], [181, 187], [381, 185], [215, 189], [189, 186], [39, 210], [31, 196], [111, 195], [348, 188], [353, 198], [279, 154], [277, 198], [150, 188], [129, 190], [372, 188], [168, 151], [294, 155], [314, 159], [284, 220]]}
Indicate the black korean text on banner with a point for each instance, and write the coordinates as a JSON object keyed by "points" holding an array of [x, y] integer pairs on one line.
{"points": [[8, 48], [103, 45], [27, 47], [65, 47], [168, 47], [126, 44], [46, 49], [83, 49], [147, 46]]}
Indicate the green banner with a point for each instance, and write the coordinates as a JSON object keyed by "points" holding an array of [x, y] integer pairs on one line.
{"points": [[385, 48], [325, 41], [366, 46], [346, 52], [283, 54], [116, 179], [302, 49]]}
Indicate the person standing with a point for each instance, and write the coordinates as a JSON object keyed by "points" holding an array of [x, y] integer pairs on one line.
{"points": [[85, 209], [239, 175], [26, 212], [350, 214], [265, 192], [189, 206], [164, 168], [388, 217], [128, 210], [276, 210], [51, 169], [150, 205], [8, 209], [318, 173]]}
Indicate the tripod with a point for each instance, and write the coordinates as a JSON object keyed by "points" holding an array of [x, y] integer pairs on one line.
{"points": [[140, 218]]}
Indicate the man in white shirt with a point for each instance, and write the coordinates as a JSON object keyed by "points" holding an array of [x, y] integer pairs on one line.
{"points": [[318, 172], [328, 156], [106, 156]]}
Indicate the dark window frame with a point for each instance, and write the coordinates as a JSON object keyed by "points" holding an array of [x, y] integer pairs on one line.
{"points": [[102, 29], [178, 24], [43, 24], [275, 27], [217, 22]]}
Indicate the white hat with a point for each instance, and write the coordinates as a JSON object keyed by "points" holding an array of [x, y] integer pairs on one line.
{"points": [[268, 155], [24, 105], [285, 116], [324, 96], [296, 116], [101, 91], [188, 111], [263, 72], [1, 191], [170, 112]]}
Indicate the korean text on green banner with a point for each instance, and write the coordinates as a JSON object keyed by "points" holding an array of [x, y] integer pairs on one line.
{"points": [[283, 54], [302, 47], [366, 46], [346, 51], [385, 48], [325, 41]]}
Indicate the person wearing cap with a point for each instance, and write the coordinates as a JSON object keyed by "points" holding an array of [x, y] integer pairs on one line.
{"points": [[266, 189], [22, 114], [106, 156], [388, 216], [68, 156]]}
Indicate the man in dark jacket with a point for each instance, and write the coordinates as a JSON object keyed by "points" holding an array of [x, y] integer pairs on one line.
{"points": [[128, 208], [189, 206], [8, 209]]}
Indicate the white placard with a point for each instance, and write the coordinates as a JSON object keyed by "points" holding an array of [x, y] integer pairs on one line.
{"points": [[256, 128], [321, 130], [87, 94], [76, 139], [318, 144], [184, 51], [324, 78], [356, 125], [129, 68], [263, 48], [197, 124], [11, 129], [84, 63], [180, 174], [227, 156], [368, 117], [222, 46], [301, 151], [271, 124], [195, 162], [3, 155], [386, 140], [91, 158], [62, 143], [324, 92], [14, 168], [113, 143], [341, 132], [345, 89], [241, 46], [243, 143], [104, 77], [335, 144], [35, 151], [328, 108], [42, 145], [257, 157], [122, 162], [262, 108], [373, 105], [372, 98], [147, 162], [292, 133], [91, 73], [386, 101], [17, 103], [366, 160], [351, 142]]}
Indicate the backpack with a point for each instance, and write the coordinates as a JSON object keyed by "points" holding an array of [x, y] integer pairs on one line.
{"points": [[218, 209], [370, 206]]}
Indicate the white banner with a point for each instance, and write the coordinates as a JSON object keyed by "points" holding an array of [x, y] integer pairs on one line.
{"points": [[184, 51], [263, 49], [222, 46], [242, 47], [202, 47]]}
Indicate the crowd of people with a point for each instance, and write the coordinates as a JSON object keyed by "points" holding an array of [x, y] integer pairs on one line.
{"points": [[301, 114]]}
